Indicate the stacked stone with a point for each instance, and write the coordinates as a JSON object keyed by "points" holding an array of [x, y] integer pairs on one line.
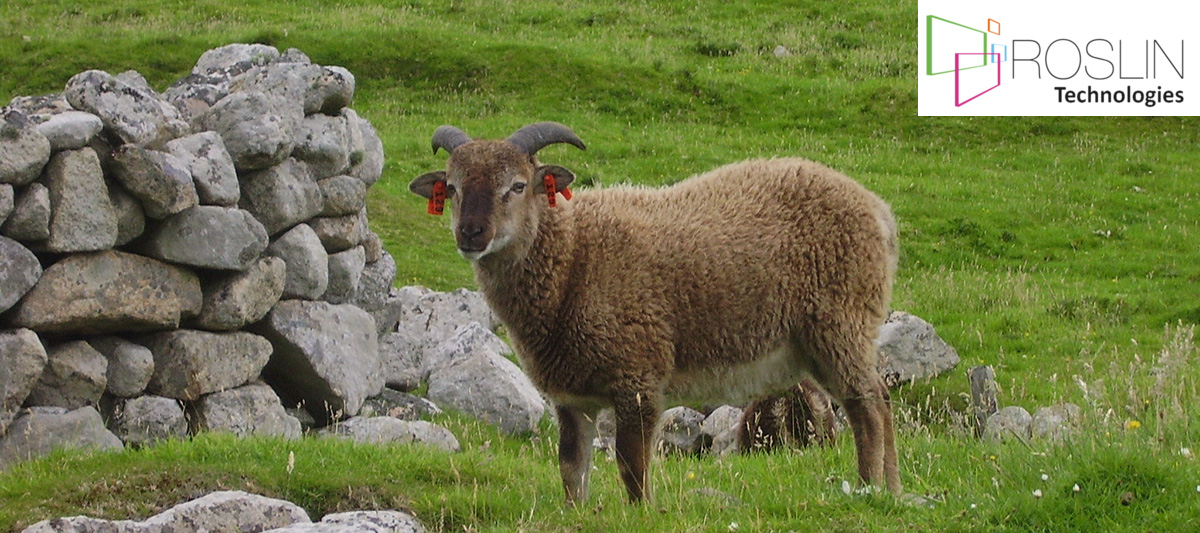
{"points": [[166, 257]]}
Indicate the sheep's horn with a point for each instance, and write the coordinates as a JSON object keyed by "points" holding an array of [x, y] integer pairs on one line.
{"points": [[534, 137], [448, 138]]}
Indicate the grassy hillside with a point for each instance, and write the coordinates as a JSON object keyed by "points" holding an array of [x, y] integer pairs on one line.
{"points": [[1059, 250]]}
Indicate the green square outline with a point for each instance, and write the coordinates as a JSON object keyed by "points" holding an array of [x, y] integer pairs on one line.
{"points": [[929, 45]]}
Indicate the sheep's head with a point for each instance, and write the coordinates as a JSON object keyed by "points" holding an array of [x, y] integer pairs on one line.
{"points": [[497, 187]]}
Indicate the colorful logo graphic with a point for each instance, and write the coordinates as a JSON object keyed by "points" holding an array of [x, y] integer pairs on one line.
{"points": [[951, 47]]}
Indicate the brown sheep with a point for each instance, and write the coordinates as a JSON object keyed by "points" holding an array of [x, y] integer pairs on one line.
{"points": [[729, 284]]}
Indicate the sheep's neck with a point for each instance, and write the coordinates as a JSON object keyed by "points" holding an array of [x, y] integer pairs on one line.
{"points": [[528, 289]]}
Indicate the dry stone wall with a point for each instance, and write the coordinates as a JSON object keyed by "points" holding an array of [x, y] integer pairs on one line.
{"points": [[166, 257]]}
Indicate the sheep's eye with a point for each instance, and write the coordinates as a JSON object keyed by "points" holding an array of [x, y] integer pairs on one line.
{"points": [[449, 190], [518, 188]]}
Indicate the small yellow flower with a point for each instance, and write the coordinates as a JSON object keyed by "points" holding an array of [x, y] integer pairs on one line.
{"points": [[1132, 424], [691, 475]]}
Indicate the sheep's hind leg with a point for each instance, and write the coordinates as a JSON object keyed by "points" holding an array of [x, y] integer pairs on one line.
{"points": [[636, 417], [576, 429], [852, 379]]}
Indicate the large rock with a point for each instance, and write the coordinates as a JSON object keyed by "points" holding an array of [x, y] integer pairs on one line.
{"points": [[370, 168], [30, 217], [326, 356], [211, 167], [250, 410], [232, 301], [71, 130], [232, 55], [429, 318], [1056, 422], [82, 216], [43, 430], [385, 429], [909, 349], [160, 180], [307, 272], [281, 196], [466, 340], [286, 84], [324, 144], [189, 363], [135, 116], [340, 233], [1010, 422], [19, 272], [22, 363], [344, 195], [75, 375], [360, 522], [254, 132], [400, 357], [110, 291], [345, 270], [208, 236], [130, 365], [23, 151], [478, 381], [146, 420], [681, 432], [219, 511]]}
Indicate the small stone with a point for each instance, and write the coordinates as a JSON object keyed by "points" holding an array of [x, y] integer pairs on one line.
{"points": [[323, 143], [1010, 422], [30, 217], [236, 54], [23, 150], [781, 51], [160, 180], [344, 195], [397, 404], [681, 431], [281, 196], [340, 233], [146, 420], [345, 270], [211, 167], [19, 272], [75, 376], [82, 215], [1055, 422], [384, 429], [307, 274], [129, 365], [71, 130], [373, 246], [232, 301], [332, 90], [910, 349], [208, 236], [23, 361]]}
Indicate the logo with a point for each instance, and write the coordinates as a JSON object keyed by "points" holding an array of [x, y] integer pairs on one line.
{"points": [[1062, 58]]}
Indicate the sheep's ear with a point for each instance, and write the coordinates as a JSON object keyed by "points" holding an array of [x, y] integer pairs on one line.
{"points": [[562, 178], [423, 185]]}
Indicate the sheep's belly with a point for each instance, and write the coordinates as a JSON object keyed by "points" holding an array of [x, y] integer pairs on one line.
{"points": [[737, 384]]}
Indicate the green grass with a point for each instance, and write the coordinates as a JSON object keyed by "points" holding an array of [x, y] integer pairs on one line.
{"points": [[1056, 249]]}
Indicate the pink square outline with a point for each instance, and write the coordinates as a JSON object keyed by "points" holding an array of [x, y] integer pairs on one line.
{"points": [[957, 103]]}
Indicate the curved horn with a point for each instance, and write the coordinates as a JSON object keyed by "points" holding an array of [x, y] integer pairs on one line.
{"points": [[448, 138], [534, 137]]}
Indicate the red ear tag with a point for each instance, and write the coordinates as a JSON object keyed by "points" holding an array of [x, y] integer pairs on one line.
{"points": [[437, 202], [566, 192], [551, 189]]}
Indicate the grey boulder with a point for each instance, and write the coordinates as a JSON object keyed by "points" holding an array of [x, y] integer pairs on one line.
{"points": [[232, 301], [189, 363], [159, 180], [332, 90], [307, 270], [326, 357], [211, 167], [345, 270], [131, 218], [218, 511], [281, 196], [208, 236], [254, 132], [23, 150], [909, 349], [344, 195], [19, 272], [323, 142], [75, 375], [370, 167], [146, 420], [82, 215], [340, 233], [129, 365], [71, 130], [134, 115], [109, 291], [681, 432], [23, 362], [30, 217], [41, 431], [385, 429], [480, 382], [253, 409], [1007, 423]]}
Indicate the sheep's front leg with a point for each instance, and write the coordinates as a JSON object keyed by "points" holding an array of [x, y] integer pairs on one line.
{"points": [[576, 429], [636, 417]]}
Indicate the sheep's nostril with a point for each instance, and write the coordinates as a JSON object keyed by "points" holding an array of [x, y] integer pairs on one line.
{"points": [[471, 231]]}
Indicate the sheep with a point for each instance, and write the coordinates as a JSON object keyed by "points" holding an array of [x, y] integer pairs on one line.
{"points": [[732, 283]]}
